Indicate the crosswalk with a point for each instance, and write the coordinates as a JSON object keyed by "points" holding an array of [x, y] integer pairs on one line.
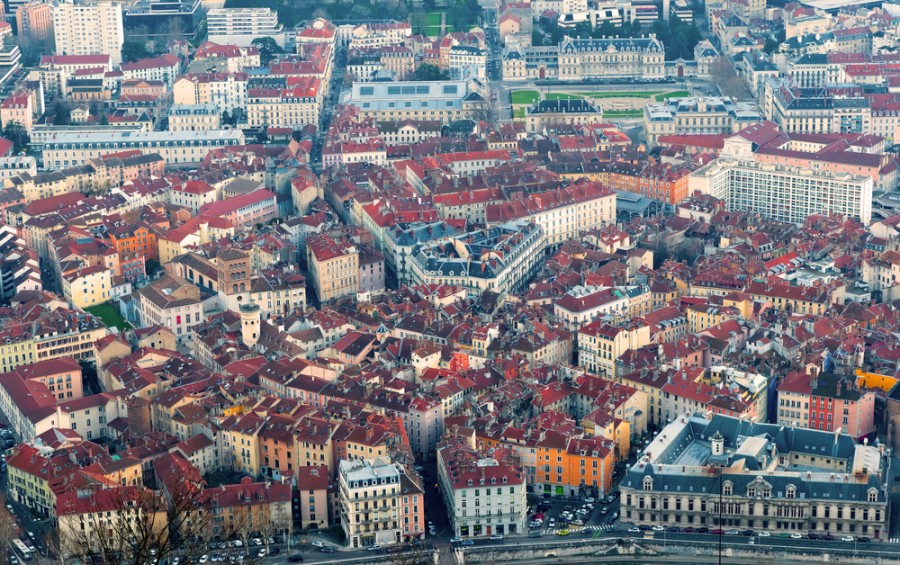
{"points": [[579, 529], [894, 540]]}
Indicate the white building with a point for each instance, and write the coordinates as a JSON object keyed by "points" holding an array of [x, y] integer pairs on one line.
{"points": [[783, 192], [484, 495], [89, 27], [177, 148], [173, 302], [369, 492], [240, 26]]}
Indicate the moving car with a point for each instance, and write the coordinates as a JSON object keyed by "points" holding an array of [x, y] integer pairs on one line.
{"points": [[562, 533], [456, 540], [375, 547]]}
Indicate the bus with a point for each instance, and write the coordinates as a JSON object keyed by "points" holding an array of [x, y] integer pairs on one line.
{"points": [[21, 550]]}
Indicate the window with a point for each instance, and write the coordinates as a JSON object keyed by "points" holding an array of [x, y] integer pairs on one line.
{"points": [[648, 483], [727, 488]]}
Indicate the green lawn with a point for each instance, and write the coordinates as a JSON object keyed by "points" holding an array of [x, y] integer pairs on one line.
{"points": [[675, 94], [622, 94], [432, 31], [433, 18], [623, 113], [524, 96], [110, 316], [563, 96], [519, 113]]}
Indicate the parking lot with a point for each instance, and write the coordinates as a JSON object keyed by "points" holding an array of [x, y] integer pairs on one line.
{"points": [[562, 515]]}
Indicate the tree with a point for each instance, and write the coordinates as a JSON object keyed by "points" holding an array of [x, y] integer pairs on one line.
{"points": [[7, 531], [429, 72], [136, 525], [268, 49], [418, 20], [132, 50], [414, 553], [15, 132], [62, 113]]}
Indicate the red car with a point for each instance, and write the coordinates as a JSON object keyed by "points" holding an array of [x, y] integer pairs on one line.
{"points": [[717, 532]]}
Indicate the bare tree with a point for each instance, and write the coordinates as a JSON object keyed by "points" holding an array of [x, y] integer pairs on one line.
{"points": [[8, 530], [132, 524], [413, 553]]}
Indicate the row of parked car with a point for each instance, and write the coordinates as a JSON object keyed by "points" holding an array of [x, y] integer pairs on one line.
{"points": [[749, 533]]}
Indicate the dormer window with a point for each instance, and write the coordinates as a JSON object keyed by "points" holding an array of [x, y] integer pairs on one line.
{"points": [[727, 488], [791, 492], [873, 495], [470, 482], [504, 480], [648, 483]]}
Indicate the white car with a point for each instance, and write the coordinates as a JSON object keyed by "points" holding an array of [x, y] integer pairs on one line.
{"points": [[634, 530], [257, 541], [375, 547], [657, 528], [796, 536], [847, 538], [496, 537], [318, 544], [764, 534], [238, 543], [204, 558]]}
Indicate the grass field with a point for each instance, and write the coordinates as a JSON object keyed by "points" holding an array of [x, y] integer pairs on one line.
{"points": [[110, 316], [563, 96], [433, 18], [524, 96], [623, 94], [623, 113], [519, 113], [675, 94]]}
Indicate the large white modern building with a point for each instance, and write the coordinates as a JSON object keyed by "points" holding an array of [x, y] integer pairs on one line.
{"points": [[240, 26], [782, 192], [88, 28], [446, 101]]}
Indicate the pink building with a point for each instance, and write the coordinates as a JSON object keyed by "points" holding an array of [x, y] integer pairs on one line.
{"points": [[257, 207], [35, 21], [412, 505], [826, 402]]}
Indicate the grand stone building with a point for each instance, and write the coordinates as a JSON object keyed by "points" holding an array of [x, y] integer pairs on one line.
{"points": [[576, 59], [730, 473]]}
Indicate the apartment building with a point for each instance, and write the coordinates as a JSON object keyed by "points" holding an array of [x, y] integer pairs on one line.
{"points": [[194, 117], [291, 107], [563, 213], [600, 344], [689, 116], [176, 148], [87, 286], [34, 20], [333, 266], [250, 506], [499, 258], [466, 62], [226, 91], [257, 207], [815, 109], [484, 494], [17, 108], [826, 402], [162, 69], [89, 27], [369, 495], [581, 305], [240, 26], [174, 303], [783, 192], [840, 491]]}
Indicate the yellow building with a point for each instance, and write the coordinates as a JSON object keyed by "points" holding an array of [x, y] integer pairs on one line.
{"points": [[704, 316], [241, 443], [88, 286], [601, 344]]}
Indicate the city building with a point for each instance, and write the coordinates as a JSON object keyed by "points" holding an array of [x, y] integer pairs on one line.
{"points": [[731, 473], [89, 27], [333, 266], [781, 191], [484, 494], [294, 106], [575, 112], [34, 20], [174, 303], [500, 258], [194, 117], [371, 496], [576, 59], [827, 402], [73, 148], [447, 101], [690, 116], [240, 26]]}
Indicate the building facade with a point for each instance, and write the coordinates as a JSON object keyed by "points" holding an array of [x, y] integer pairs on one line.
{"points": [[89, 27]]}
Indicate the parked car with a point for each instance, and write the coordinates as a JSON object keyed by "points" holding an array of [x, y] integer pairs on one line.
{"points": [[658, 528], [812, 536], [862, 539], [467, 542], [456, 540], [534, 534], [796, 536], [717, 532], [375, 547], [634, 530], [327, 549], [847, 538], [496, 537], [296, 559], [764, 534]]}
